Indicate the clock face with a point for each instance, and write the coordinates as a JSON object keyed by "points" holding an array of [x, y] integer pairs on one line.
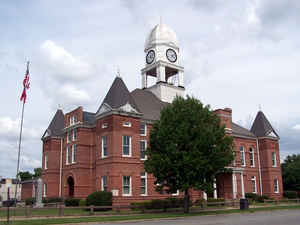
{"points": [[171, 55], [150, 57]]}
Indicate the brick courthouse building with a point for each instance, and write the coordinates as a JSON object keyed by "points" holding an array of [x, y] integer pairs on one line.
{"points": [[85, 152]]}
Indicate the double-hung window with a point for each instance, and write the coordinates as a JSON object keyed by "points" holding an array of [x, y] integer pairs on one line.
{"points": [[126, 146], [68, 155], [276, 187], [45, 190], [242, 155], [253, 184], [74, 152], [143, 146], [126, 186], [252, 162], [68, 137], [104, 146], [46, 161], [143, 183], [143, 129], [274, 162], [74, 134], [104, 183]]}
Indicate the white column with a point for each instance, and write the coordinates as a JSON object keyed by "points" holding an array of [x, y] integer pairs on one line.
{"points": [[180, 79], [161, 73], [242, 184], [144, 84], [204, 195], [234, 185], [215, 190]]}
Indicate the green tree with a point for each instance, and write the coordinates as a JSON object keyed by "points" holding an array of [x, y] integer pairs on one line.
{"points": [[37, 172], [291, 173], [25, 175], [188, 148]]}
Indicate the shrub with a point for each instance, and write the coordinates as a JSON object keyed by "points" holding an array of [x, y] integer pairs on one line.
{"points": [[82, 202], [99, 198], [159, 204], [29, 201], [255, 197], [215, 200], [52, 200], [72, 202], [290, 194]]}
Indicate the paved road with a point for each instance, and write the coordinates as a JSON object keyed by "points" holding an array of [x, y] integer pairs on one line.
{"points": [[284, 217]]}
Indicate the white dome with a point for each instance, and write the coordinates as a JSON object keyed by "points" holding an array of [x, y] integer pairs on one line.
{"points": [[161, 34]]}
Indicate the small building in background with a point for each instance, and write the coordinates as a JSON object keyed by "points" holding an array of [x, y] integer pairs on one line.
{"points": [[11, 185]]}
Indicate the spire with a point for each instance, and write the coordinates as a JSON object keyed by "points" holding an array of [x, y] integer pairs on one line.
{"points": [[117, 96], [261, 127], [56, 126]]}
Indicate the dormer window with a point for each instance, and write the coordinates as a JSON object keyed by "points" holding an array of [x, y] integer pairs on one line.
{"points": [[72, 120], [127, 124]]}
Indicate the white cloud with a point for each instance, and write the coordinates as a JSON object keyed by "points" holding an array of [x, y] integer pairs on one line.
{"points": [[297, 127], [71, 95], [63, 64]]}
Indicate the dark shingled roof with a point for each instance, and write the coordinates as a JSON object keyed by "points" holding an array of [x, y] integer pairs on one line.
{"points": [[238, 130], [89, 118], [148, 104], [118, 95], [261, 127], [57, 124]]}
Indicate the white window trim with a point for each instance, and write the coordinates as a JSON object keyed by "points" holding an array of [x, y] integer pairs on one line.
{"points": [[102, 147], [73, 153], [175, 194], [67, 155], [104, 125], [68, 136], [46, 162], [244, 158], [252, 157], [277, 185], [129, 146], [126, 124], [255, 184], [146, 181], [73, 134], [145, 134], [145, 149], [130, 186], [45, 190], [102, 183], [275, 159]]}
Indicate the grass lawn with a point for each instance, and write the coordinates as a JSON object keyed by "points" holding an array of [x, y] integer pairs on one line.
{"points": [[142, 216]]}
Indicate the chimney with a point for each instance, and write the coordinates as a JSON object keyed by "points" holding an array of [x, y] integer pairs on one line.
{"points": [[225, 117]]}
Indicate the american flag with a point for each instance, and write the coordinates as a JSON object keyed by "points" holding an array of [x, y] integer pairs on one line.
{"points": [[25, 84]]}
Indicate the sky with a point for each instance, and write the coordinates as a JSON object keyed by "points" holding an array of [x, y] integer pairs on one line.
{"points": [[239, 54]]}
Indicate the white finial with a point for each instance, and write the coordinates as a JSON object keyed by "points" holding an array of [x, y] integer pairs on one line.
{"points": [[259, 107], [59, 107], [118, 72]]}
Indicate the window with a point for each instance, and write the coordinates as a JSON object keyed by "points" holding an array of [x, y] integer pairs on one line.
{"points": [[68, 137], [126, 185], [74, 151], [252, 164], [45, 190], [126, 124], [104, 183], [276, 188], [274, 161], [143, 146], [46, 161], [253, 184], [74, 134], [143, 183], [67, 155], [143, 129], [126, 146], [104, 146], [72, 120], [104, 125], [242, 155]]}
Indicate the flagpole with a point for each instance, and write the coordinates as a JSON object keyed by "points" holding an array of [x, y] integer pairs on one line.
{"points": [[20, 141]]}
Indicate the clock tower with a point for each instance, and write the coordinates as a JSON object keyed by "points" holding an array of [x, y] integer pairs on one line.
{"points": [[162, 62]]}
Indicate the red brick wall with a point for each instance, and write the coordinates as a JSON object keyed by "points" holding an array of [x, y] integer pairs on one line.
{"points": [[26, 191]]}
